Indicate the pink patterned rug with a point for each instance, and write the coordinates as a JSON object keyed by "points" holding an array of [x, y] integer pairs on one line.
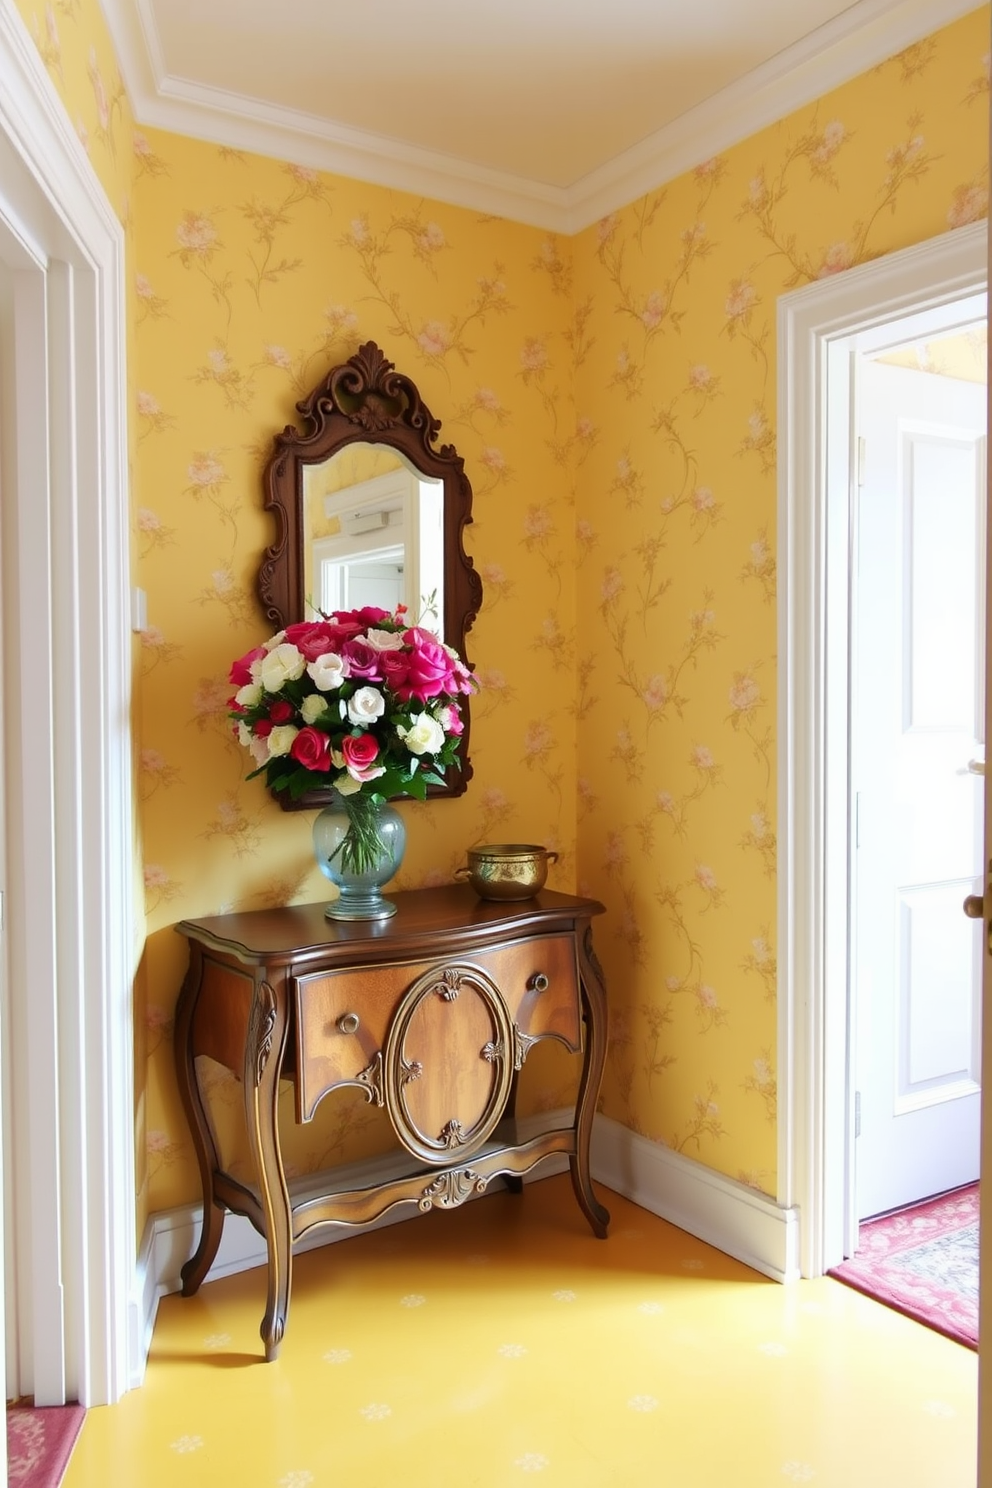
{"points": [[39, 1443], [924, 1261]]}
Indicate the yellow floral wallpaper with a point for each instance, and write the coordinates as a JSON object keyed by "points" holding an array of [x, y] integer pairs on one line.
{"points": [[614, 399], [253, 277], [963, 355], [676, 679]]}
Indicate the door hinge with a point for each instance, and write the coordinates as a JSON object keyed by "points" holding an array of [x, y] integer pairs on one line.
{"points": [[857, 1113], [861, 460]]}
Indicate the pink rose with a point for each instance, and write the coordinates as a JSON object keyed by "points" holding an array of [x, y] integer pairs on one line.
{"points": [[451, 720], [363, 660], [263, 728], [429, 673], [240, 673], [281, 711], [311, 749]]}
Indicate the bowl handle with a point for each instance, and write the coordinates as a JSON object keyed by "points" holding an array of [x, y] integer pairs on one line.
{"points": [[552, 857], [463, 869]]}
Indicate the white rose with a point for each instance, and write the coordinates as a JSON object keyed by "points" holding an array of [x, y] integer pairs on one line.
{"points": [[259, 751], [274, 641], [245, 735], [328, 671], [345, 785], [281, 665], [281, 739], [424, 736], [250, 695], [312, 707], [385, 640], [366, 705]]}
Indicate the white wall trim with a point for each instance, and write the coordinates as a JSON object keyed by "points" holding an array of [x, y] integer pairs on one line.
{"points": [[813, 1052], [745, 1224], [862, 36], [71, 948]]}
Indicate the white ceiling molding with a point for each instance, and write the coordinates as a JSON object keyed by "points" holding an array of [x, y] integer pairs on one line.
{"points": [[863, 36]]}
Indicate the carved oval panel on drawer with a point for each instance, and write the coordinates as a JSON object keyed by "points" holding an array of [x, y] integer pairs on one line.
{"points": [[539, 980], [448, 1063]]}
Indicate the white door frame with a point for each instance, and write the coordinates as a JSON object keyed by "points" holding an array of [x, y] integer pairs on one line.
{"points": [[71, 928], [814, 536]]}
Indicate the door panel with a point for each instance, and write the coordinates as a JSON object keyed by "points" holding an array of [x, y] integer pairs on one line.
{"points": [[917, 705]]}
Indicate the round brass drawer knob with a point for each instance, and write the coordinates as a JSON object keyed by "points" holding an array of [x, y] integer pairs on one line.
{"points": [[539, 982], [349, 1022]]}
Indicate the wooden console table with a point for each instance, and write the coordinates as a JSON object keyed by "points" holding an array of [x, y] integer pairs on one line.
{"points": [[431, 1013]]}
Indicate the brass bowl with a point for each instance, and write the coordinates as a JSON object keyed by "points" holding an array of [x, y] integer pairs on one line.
{"points": [[507, 870]]}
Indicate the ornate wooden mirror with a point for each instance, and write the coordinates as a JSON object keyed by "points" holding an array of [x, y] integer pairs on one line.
{"points": [[369, 511]]}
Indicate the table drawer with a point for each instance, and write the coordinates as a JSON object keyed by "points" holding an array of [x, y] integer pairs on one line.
{"points": [[342, 1018], [539, 980]]}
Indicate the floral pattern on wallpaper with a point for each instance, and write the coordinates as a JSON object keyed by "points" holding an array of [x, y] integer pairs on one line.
{"points": [[675, 539], [73, 42], [252, 278], [614, 399]]}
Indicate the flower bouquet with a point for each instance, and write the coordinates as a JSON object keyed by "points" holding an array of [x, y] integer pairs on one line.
{"points": [[358, 700]]}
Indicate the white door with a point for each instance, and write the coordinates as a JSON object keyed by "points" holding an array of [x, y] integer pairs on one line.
{"points": [[917, 723]]}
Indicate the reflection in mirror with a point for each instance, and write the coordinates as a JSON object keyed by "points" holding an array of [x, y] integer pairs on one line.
{"points": [[373, 535], [369, 510]]}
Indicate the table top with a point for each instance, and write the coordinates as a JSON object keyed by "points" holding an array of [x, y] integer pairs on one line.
{"points": [[424, 920]]}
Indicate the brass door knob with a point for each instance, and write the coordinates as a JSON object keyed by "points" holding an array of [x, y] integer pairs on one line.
{"points": [[974, 907], [349, 1022], [539, 982]]}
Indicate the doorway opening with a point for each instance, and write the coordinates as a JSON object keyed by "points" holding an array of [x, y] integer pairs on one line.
{"points": [[917, 707], [822, 327]]}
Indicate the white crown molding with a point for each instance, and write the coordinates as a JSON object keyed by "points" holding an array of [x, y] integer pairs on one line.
{"points": [[864, 35]]}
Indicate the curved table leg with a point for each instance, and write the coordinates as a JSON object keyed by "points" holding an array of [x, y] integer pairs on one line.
{"points": [[594, 1009], [263, 1061], [214, 1212]]}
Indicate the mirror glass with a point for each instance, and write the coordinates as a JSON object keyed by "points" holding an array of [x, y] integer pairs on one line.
{"points": [[370, 510], [373, 534]]}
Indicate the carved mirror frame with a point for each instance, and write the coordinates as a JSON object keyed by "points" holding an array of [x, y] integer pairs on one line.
{"points": [[365, 400]]}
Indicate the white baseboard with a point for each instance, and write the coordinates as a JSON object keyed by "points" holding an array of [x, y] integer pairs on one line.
{"points": [[728, 1215], [736, 1219]]}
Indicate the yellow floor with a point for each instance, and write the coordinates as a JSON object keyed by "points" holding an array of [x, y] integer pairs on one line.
{"points": [[501, 1345]]}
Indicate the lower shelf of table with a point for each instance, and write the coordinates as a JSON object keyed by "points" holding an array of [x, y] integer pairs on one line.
{"points": [[404, 1180]]}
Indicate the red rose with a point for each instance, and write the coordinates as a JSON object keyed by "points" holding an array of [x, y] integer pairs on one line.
{"points": [[240, 673], [394, 667], [311, 749], [368, 615], [281, 711], [313, 638], [360, 750]]}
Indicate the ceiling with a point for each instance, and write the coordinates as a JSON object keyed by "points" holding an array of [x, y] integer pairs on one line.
{"points": [[549, 111]]}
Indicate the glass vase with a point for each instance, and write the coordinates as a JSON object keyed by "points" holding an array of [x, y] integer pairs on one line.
{"points": [[359, 846]]}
